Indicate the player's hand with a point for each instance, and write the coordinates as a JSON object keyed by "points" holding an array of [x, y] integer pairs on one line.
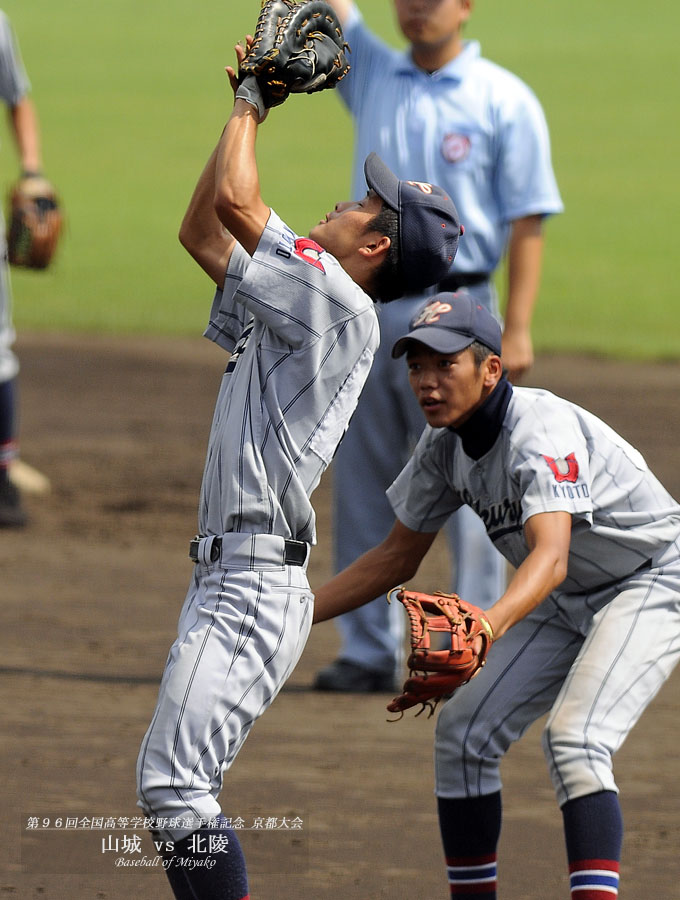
{"points": [[518, 353], [241, 53]]}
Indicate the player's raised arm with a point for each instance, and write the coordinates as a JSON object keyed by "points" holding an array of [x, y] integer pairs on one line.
{"points": [[237, 200], [226, 206], [201, 233]]}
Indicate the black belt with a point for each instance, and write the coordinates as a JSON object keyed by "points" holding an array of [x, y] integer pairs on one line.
{"points": [[462, 279], [294, 552]]}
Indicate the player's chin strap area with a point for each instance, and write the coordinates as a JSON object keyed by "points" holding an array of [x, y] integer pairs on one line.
{"points": [[248, 551]]}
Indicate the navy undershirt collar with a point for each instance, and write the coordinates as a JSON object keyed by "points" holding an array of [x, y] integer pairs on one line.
{"points": [[480, 431]]}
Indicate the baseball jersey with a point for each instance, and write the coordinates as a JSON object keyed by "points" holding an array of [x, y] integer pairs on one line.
{"points": [[471, 127], [302, 336], [14, 82], [550, 455]]}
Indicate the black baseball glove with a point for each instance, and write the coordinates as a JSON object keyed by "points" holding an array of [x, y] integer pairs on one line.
{"points": [[297, 48]]}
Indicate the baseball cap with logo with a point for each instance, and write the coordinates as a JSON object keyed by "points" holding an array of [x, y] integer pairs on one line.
{"points": [[429, 227], [448, 323]]}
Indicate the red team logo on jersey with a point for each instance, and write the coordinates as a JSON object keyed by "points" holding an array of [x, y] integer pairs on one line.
{"points": [[565, 468], [310, 251]]}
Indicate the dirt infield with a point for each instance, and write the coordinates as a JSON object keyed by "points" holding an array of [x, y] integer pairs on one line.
{"points": [[335, 801]]}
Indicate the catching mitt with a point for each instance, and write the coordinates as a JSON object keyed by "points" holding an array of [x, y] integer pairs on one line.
{"points": [[434, 674], [34, 222], [297, 48]]}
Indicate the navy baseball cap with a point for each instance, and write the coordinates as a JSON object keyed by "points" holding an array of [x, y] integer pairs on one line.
{"points": [[448, 323], [429, 227]]}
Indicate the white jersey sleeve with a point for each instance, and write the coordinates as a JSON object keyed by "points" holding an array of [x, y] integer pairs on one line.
{"points": [[548, 457], [423, 495], [228, 318]]}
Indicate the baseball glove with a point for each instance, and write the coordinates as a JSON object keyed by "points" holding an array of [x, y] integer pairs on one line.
{"points": [[34, 222], [297, 48], [434, 674]]}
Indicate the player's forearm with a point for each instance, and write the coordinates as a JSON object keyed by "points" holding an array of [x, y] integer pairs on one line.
{"points": [[372, 575], [201, 232], [24, 124], [380, 569], [548, 536], [530, 585], [237, 200], [525, 255]]}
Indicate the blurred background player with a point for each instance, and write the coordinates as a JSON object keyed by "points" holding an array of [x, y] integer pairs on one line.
{"points": [[14, 88], [440, 113]]}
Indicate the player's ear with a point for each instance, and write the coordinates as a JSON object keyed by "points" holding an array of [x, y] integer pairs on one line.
{"points": [[493, 370], [375, 246]]}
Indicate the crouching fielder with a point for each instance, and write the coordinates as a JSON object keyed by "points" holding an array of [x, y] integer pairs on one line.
{"points": [[588, 629]]}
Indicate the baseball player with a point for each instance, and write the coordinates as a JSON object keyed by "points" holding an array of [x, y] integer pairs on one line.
{"points": [[588, 628], [14, 88], [298, 317], [441, 111]]}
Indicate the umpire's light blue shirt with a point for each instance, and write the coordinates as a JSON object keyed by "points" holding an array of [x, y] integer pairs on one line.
{"points": [[472, 127]]}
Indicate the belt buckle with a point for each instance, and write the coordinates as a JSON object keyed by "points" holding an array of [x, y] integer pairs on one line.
{"points": [[295, 553], [215, 548], [193, 548]]}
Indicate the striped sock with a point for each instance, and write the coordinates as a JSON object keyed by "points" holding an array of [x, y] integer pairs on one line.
{"points": [[470, 828], [594, 879], [593, 829], [472, 877], [8, 453]]}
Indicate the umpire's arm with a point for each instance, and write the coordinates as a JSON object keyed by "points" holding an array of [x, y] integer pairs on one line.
{"points": [[373, 574]]}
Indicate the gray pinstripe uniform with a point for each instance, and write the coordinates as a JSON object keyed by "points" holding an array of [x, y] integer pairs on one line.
{"points": [[303, 335], [14, 85], [598, 649]]}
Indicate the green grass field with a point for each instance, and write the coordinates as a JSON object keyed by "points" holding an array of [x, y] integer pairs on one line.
{"points": [[132, 97]]}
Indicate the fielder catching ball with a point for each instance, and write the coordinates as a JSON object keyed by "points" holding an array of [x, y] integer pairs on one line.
{"points": [[297, 316], [588, 628]]}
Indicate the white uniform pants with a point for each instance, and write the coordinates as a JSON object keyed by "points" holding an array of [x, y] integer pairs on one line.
{"points": [[241, 632], [595, 662]]}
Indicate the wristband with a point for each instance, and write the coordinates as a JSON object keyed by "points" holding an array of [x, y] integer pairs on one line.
{"points": [[249, 90]]}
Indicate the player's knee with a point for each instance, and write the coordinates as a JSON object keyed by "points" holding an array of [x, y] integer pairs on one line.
{"points": [[155, 794], [149, 792], [466, 759], [579, 762]]}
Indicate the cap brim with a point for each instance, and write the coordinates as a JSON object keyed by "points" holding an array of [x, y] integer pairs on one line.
{"points": [[382, 180], [437, 339]]}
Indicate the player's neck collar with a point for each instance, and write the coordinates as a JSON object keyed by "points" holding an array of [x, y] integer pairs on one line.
{"points": [[480, 431]]}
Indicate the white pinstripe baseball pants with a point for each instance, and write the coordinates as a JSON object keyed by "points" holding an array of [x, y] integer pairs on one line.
{"points": [[594, 662], [241, 632]]}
